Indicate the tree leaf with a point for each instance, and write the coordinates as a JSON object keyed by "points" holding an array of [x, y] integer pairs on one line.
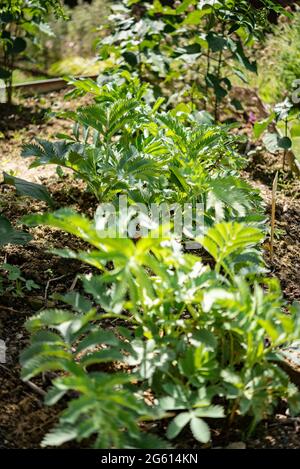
{"points": [[195, 17], [130, 58], [213, 411]]}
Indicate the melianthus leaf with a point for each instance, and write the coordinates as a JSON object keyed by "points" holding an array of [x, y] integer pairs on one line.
{"points": [[59, 435], [225, 239], [177, 424], [200, 430]]}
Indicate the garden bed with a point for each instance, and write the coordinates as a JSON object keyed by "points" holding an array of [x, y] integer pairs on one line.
{"points": [[24, 418]]}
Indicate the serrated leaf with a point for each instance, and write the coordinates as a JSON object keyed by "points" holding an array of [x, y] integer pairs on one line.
{"points": [[30, 189], [226, 238], [177, 424], [98, 338], [200, 430], [54, 395], [59, 435], [213, 411], [260, 127], [102, 356]]}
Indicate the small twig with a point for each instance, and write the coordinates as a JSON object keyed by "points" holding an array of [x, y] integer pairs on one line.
{"points": [[8, 308], [7, 370], [29, 383], [36, 388], [292, 422], [48, 285], [273, 215], [285, 150], [73, 285]]}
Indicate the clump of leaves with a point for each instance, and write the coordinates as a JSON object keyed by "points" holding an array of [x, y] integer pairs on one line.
{"points": [[193, 334], [215, 39], [122, 145], [285, 134]]}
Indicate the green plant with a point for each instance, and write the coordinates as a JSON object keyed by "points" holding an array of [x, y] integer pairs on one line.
{"points": [[215, 39], [194, 335], [108, 405], [123, 146], [21, 20], [285, 133], [108, 166], [17, 282]]}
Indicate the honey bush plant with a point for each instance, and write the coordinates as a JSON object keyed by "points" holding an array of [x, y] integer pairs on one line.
{"points": [[160, 337], [123, 144], [194, 335]]}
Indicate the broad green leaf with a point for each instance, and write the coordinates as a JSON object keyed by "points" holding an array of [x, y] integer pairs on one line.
{"points": [[8, 235], [260, 127], [19, 45], [29, 189], [195, 17], [216, 42], [295, 130]]}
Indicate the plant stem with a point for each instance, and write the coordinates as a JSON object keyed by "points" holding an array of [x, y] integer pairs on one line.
{"points": [[218, 78], [220, 59], [285, 151], [273, 215], [207, 73], [233, 412]]}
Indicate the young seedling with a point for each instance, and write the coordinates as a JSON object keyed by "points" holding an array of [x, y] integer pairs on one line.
{"points": [[18, 282]]}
